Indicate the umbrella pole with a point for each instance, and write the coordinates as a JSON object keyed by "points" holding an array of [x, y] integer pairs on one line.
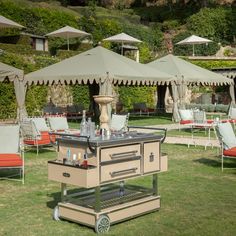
{"points": [[68, 47], [122, 48], [193, 50]]}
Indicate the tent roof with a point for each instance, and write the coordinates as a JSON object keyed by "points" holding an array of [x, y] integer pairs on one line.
{"points": [[9, 72], [97, 64], [189, 72], [193, 39], [122, 38], [7, 23]]}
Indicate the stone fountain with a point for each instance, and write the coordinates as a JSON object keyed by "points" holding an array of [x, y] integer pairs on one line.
{"points": [[103, 101]]}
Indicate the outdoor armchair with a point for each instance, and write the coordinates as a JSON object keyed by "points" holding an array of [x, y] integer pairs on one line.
{"points": [[35, 133], [186, 116], [227, 138], [11, 153]]}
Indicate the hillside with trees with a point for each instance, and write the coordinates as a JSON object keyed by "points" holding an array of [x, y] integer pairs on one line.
{"points": [[159, 24]]}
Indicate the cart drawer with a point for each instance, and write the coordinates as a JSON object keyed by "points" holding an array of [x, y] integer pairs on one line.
{"points": [[120, 170], [121, 152], [72, 175], [151, 157]]}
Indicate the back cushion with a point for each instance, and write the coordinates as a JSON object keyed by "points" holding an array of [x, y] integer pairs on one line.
{"points": [[58, 123], [118, 122], [226, 133], [40, 124], [186, 114], [9, 138], [233, 113]]}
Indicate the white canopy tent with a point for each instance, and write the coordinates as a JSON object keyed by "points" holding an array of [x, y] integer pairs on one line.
{"points": [[186, 73], [101, 66]]}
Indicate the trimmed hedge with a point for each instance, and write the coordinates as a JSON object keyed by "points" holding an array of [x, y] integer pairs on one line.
{"points": [[129, 95], [209, 107]]}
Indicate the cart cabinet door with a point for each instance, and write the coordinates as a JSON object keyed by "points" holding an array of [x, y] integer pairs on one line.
{"points": [[151, 156], [120, 152]]}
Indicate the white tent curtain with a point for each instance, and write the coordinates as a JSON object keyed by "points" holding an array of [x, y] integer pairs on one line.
{"points": [[182, 89], [20, 91], [232, 95], [175, 97]]}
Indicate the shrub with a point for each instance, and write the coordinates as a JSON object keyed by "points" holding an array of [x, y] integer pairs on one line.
{"points": [[8, 105], [211, 23], [129, 95], [222, 108], [81, 95], [36, 99]]}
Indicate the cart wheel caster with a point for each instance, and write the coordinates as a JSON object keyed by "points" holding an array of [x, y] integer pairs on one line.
{"points": [[102, 224], [56, 215]]}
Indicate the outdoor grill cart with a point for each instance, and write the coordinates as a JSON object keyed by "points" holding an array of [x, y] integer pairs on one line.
{"points": [[99, 167]]}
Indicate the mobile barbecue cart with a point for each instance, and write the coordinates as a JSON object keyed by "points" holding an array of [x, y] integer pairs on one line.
{"points": [[103, 197]]}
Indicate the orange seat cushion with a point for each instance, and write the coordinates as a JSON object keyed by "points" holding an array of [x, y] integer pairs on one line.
{"points": [[210, 121], [44, 139], [230, 152], [8, 160], [184, 122]]}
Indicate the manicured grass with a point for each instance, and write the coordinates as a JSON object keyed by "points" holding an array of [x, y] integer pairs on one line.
{"points": [[138, 120], [196, 199], [150, 120]]}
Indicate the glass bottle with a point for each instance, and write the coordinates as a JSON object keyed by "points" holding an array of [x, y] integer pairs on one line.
{"points": [[89, 124], [85, 162], [83, 124], [68, 156]]}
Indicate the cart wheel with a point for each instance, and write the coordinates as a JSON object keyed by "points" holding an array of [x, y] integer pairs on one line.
{"points": [[56, 215], [102, 224]]}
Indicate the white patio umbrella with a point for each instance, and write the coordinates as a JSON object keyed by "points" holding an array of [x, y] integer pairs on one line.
{"points": [[192, 40], [7, 23], [122, 38], [68, 32]]}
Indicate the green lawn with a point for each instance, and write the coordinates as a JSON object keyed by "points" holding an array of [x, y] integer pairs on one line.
{"points": [[196, 199]]}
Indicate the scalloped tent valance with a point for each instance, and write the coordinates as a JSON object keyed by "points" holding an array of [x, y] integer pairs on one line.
{"points": [[98, 64]]}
